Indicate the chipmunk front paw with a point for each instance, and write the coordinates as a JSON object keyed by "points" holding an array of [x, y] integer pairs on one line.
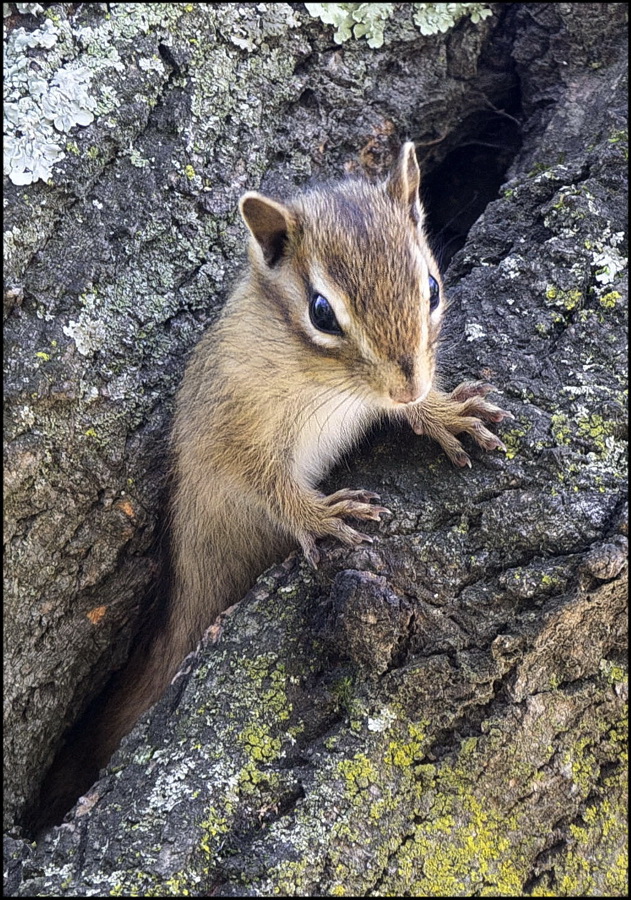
{"points": [[441, 416], [331, 509]]}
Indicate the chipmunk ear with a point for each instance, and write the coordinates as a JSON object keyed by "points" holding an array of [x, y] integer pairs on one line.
{"points": [[269, 222], [404, 181]]}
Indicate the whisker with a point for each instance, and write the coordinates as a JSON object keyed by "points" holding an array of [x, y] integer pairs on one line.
{"points": [[323, 398], [344, 399], [355, 398]]}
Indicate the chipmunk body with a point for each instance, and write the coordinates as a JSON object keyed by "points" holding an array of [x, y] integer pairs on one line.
{"points": [[333, 326]]}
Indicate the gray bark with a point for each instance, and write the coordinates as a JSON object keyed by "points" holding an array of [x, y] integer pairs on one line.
{"points": [[439, 714]]}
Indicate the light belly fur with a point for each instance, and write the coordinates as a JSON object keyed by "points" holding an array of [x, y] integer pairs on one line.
{"points": [[326, 433]]}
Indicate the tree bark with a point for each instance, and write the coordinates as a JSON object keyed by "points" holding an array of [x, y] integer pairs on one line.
{"points": [[440, 714]]}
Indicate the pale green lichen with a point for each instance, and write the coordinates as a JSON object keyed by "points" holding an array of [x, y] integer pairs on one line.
{"points": [[621, 137], [42, 102], [369, 19], [354, 19], [32, 9], [613, 672], [432, 18]]}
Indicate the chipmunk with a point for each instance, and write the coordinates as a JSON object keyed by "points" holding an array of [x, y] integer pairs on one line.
{"points": [[333, 326]]}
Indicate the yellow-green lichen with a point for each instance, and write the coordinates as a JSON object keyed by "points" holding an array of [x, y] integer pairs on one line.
{"points": [[358, 773], [406, 753], [143, 884], [582, 764], [269, 681], [259, 743], [597, 430], [592, 862], [560, 427], [212, 827], [613, 672], [467, 850], [548, 580], [512, 440], [569, 300], [609, 300]]}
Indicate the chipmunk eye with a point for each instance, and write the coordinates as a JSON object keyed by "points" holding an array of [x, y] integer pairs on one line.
{"points": [[322, 315], [434, 293]]}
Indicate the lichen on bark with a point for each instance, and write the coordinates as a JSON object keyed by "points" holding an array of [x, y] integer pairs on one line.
{"points": [[442, 713]]}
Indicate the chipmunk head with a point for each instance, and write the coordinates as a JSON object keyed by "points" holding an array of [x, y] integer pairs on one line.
{"points": [[347, 271]]}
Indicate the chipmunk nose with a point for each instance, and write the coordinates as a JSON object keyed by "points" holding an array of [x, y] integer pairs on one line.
{"points": [[404, 395], [409, 393], [415, 383]]}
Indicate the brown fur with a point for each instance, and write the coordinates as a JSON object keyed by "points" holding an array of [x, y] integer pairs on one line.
{"points": [[266, 406]]}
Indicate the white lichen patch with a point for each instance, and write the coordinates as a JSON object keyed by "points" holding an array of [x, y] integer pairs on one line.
{"points": [[383, 721], [88, 336], [50, 86], [24, 8], [609, 261], [474, 331], [43, 102], [512, 266]]}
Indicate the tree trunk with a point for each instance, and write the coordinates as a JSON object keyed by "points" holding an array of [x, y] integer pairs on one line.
{"points": [[440, 714]]}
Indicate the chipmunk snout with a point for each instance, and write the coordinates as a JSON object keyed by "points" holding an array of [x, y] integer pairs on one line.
{"points": [[409, 393], [414, 385]]}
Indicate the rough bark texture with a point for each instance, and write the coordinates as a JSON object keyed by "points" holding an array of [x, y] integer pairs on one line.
{"points": [[440, 714]]}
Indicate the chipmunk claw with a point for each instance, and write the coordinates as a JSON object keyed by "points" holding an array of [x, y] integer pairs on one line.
{"points": [[350, 536], [462, 459], [469, 389], [344, 494], [363, 538], [443, 416], [331, 511], [311, 552], [354, 504]]}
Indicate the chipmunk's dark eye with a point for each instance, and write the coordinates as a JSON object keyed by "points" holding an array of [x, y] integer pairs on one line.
{"points": [[434, 293], [322, 315]]}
